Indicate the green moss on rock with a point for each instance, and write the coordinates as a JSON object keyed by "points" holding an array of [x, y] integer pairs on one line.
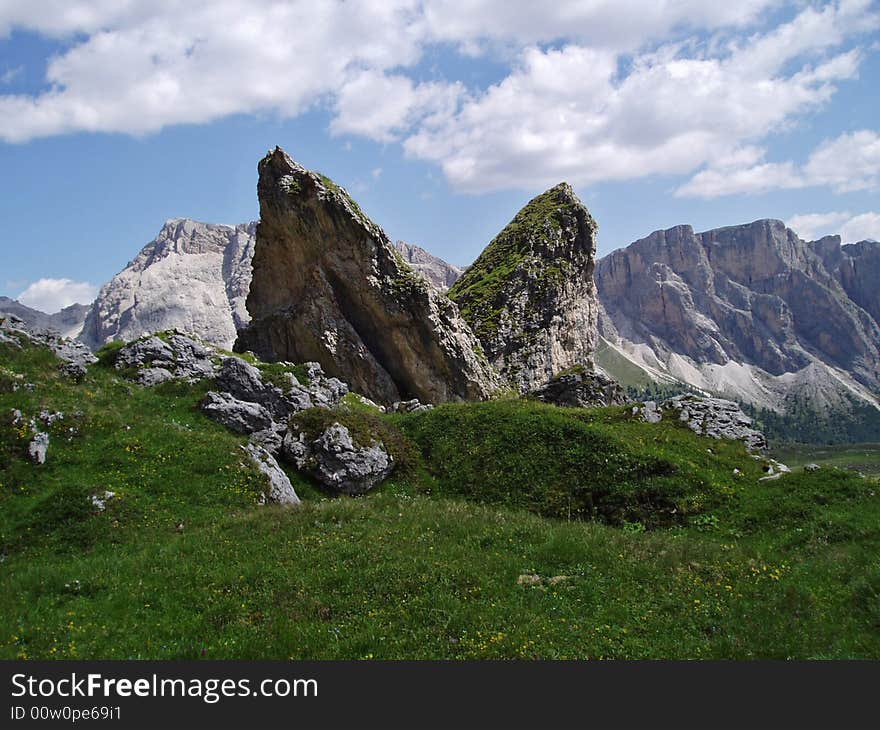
{"points": [[479, 292]]}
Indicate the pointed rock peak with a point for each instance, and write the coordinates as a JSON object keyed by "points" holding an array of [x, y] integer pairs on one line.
{"points": [[530, 295], [329, 286], [549, 205], [284, 182]]}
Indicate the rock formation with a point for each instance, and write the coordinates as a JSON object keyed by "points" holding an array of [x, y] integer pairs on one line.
{"points": [[438, 273], [581, 388], [74, 355], [336, 460], [712, 417], [157, 359], [329, 287], [748, 312], [194, 277], [530, 295]]}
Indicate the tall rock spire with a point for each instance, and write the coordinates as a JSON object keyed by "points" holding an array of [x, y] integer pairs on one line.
{"points": [[530, 295], [328, 286]]}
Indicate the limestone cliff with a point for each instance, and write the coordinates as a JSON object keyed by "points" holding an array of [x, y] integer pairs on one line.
{"points": [[749, 312], [530, 295], [329, 287], [192, 277]]}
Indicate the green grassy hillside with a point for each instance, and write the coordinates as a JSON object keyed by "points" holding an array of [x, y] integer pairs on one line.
{"points": [[635, 540]]}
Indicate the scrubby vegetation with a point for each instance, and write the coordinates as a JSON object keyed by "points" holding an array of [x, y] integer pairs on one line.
{"points": [[683, 559]]}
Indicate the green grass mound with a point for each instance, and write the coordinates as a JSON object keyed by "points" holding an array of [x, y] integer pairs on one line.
{"points": [[165, 461], [574, 463]]}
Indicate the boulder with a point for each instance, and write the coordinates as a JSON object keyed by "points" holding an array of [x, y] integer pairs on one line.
{"points": [[279, 490], [237, 415], [38, 447], [148, 377], [410, 406], [581, 388], [99, 501], [337, 461]]}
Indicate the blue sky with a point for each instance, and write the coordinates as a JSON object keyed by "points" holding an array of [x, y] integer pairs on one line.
{"points": [[442, 117]]}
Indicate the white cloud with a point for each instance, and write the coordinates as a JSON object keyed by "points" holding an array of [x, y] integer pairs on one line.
{"points": [[861, 227], [851, 228], [52, 295], [590, 95], [608, 24], [812, 226], [846, 163], [571, 113], [381, 106], [146, 65]]}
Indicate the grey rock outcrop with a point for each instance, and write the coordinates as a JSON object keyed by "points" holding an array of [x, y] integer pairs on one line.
{"points": [[712, 417], [435, 270], [279, 490], [174, 355], [75, 356], [581, 388], [530, 295], [337, 461], [237, 415], [193, 277], [328, 287]]}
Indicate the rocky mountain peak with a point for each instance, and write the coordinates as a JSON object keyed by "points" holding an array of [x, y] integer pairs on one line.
{"points": [[529, 296], [192, 277], [328, 286], [67, 322], [749, 311], [438, 273]]}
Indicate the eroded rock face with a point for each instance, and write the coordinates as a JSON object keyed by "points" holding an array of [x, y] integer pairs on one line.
{"points": [[709, 308], [530, 296], [581, 388], [337, 461], [328, 287], [193, 277]]}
